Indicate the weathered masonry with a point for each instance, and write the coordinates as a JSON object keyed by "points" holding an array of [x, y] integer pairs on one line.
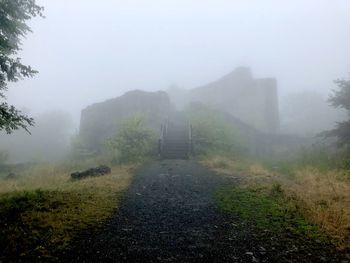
{"points": [[253, 101]]}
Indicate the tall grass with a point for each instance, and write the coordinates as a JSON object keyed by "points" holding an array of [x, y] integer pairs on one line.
{"points": [[320, 190]]}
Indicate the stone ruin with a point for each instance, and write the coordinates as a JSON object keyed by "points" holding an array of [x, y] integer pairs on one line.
{"points": [[100, 121], [253, 102]]}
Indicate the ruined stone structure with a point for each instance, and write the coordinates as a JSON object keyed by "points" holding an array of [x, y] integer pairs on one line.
{"points": [[101, 120], [251, 101], [254, 101]]}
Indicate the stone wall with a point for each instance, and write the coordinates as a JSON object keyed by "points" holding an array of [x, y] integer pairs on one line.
{"points": [[101, 120], [254, 101]]}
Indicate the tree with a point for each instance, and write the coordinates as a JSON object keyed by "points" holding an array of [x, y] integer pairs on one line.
{"points": [[13, 17], [341, 99]]}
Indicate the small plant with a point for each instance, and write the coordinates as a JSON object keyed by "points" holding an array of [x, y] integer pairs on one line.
{"points": [[346, 164], [276, 189]]}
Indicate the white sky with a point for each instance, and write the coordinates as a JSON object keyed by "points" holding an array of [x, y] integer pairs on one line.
{"points": [[88, 51]]}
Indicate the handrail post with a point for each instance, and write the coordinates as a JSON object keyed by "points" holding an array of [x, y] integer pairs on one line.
{"points": [[190, 150], [160, 141], [163, 132]]}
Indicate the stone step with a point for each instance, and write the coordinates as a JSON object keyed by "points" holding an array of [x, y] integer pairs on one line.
{"points": [[176, 144], [174, 156], [176, 141]]}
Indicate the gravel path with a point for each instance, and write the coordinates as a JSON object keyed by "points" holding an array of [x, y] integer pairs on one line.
{"points": [[169, 215]]}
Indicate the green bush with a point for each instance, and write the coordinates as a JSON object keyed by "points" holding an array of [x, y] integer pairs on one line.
{"points": [[133, 142], [212, 135]]}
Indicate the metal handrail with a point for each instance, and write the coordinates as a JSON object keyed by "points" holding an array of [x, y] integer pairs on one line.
{"points": [[190, 143], [163, 133]]}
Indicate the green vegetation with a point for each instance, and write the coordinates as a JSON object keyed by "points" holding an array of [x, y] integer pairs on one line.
{"points": [[133, 142], [317, 156], [212, 134], [14, 14], [269, 209], [318, 194], [341, 99], [42, 210]]}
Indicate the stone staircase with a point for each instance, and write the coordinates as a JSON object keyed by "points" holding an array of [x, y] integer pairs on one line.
{"points": [[175, 141]]}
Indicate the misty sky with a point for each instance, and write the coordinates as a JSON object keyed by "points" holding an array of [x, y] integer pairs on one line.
{"points": [[88, 50]]}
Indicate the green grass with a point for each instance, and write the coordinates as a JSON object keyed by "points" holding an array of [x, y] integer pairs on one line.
{"points": [[16, 235], [40, 212], [267, 209]]}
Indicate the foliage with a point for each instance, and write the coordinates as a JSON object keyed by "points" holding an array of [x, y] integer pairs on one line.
{"points": [[341, 99], [211, 134], [13, 17], [133, 141]]}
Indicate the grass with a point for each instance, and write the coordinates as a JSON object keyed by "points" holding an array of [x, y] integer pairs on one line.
{"points": [[320, 195], [42, 210], [269, 210]]}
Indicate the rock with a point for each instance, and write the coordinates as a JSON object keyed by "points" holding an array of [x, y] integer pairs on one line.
{"points": [[97, 171]]}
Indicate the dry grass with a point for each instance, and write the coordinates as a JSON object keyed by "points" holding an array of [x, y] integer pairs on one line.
{"points": [[60, 208], [325, 199], [322, 196], [52, 177]]}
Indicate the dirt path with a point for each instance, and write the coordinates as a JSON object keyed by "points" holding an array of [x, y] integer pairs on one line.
{"points": [[169, 215]]}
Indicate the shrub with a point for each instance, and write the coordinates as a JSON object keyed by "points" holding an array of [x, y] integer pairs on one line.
{"points": [[213, 135], [133, 141]]}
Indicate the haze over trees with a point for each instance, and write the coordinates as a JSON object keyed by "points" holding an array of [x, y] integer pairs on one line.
{"points": [[49, 139], [308, 113]]}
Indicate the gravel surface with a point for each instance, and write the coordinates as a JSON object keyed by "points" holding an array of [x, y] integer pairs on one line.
{"points": [[169, 215]]}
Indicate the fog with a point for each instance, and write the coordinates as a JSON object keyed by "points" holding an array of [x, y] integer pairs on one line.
{"points": [[89, 51]]}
